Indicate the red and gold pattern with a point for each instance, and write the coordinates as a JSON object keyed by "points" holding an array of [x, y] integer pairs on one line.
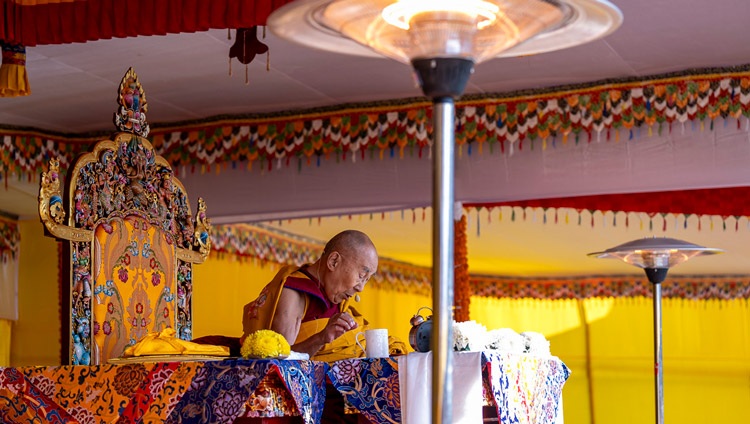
{"points": [[462, 289], [39, 22], [728, 203], [147, 391], [213, 391]]}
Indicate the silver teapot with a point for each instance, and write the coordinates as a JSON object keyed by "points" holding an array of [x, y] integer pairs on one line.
{"points": [[420, 334]]}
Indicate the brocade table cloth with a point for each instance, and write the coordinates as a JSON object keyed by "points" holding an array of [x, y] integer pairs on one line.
{"points": [[169, 392]]}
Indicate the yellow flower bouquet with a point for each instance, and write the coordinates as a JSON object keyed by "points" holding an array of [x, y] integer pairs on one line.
{"points": [[265, 344]]}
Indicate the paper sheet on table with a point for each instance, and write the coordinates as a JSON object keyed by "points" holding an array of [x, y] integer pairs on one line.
{"points": [[415, 379]]}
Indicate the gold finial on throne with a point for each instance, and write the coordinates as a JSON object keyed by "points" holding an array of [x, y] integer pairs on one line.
{"points": [[131, 115]]}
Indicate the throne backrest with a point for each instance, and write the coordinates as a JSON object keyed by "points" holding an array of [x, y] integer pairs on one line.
{"points": [[133, 242]]}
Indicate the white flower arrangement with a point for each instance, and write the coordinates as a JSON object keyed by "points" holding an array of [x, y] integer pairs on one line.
{"points": [[473, 337], [536, 343], [506, 340], [469, 336]]}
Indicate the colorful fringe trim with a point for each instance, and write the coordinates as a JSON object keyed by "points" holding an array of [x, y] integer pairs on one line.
{"points": [[678, 287], [603, 111], [270, 246]]}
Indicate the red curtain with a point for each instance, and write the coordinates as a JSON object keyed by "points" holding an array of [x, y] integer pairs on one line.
{"points": [[35, 22], [725, 202]]}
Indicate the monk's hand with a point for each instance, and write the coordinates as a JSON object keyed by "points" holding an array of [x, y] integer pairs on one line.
{"points": [[338, 325]]}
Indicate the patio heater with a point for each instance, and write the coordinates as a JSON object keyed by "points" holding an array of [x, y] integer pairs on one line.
{"points": [[442, 40], [656, 255]]}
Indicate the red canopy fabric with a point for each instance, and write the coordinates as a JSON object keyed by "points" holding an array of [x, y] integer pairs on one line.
{"points": [[725, 202], [35, 22]]}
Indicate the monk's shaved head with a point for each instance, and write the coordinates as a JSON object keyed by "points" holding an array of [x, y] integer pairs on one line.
{"points": [[349, 241]]}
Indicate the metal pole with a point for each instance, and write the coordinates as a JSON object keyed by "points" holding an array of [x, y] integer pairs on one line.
{"points": [[658, 362], [442, 260]]}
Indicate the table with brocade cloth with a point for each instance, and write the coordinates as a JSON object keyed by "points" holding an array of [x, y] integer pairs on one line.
{"points": [[522, 388], [186, 392]]}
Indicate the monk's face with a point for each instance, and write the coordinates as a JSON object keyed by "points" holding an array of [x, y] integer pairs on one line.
{"points": [[348, 273]]}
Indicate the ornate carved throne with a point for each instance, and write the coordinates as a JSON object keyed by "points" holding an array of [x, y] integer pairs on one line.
{"points": [[132, 239]]}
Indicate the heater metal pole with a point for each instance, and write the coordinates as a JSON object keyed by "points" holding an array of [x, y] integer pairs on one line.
{"points": [[442, 260], [442, 79], [658, 357], [655, 256]]}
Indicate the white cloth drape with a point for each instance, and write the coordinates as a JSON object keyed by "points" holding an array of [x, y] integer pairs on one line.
{"points": [[415, 378]]}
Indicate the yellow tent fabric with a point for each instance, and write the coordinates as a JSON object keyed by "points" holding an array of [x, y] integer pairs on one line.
{"points": [[5, 326], [36, 334], [608, 345]]}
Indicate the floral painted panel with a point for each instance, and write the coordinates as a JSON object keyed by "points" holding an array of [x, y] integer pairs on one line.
{"points": [[134, 292]]}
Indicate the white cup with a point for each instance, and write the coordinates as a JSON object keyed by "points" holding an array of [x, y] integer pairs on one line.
{"points": [[376, 341]]}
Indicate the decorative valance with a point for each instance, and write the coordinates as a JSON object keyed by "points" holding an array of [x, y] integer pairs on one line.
{"points": [[604, 111], [729, 203], [32, 23], [597, 112], [266, 245], [681, 287], [10, 239], [271, 246]]}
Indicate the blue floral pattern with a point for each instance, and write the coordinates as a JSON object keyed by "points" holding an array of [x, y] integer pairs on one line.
{"points": [[371, 386], [220, 389]]}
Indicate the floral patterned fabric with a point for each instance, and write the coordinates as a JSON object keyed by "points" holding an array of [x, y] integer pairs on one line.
{"points": [[523, 388], [169, 392], [371, 386], [134, 285]]}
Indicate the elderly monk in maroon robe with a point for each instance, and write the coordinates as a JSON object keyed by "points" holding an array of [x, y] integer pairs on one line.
{"points": [[311, 305]]}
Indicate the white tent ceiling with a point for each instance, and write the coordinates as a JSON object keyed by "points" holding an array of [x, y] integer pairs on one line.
{"points": [[185, 76]]}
